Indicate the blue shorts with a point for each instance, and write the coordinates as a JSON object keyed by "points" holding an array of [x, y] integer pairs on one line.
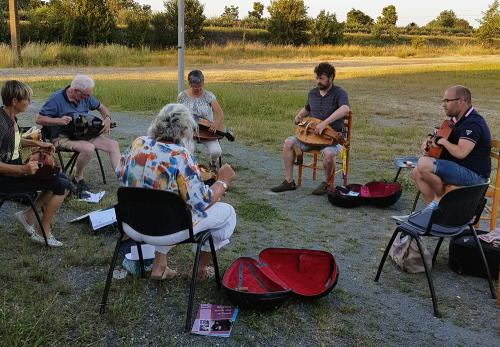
{"points": [[335, 149], [453, 173]]}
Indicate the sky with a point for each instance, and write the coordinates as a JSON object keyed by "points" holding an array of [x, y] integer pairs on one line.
{"points": [[419, 11]]}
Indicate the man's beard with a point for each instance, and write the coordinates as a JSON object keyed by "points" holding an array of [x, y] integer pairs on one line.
{"points": [[323, 87]]}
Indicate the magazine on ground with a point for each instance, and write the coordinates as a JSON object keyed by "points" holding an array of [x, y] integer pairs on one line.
{"points": [[214, 320]]}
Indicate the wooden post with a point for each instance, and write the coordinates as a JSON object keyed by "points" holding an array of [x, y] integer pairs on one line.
{"points": [[14, 30]]}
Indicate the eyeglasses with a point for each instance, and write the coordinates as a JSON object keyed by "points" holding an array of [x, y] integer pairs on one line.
{"points": [[85, 95], [448, 100]]}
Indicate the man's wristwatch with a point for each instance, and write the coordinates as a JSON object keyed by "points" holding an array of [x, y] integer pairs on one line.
{"points": [[223, 184]]}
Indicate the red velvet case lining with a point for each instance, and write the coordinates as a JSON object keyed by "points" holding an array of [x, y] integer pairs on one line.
{"points": [[379, 189], [305, 272]]}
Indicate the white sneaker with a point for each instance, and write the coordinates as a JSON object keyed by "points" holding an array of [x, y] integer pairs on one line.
{"points": [[30, 229], [51, 240]]}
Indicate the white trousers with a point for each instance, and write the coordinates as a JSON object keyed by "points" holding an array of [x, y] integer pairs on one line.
{"points": [[214, 150], [221, 221]]}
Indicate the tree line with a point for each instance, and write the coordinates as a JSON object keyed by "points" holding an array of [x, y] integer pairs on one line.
{"points": [[84, 22]]}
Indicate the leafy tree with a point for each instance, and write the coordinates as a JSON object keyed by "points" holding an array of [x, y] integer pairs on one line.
{"points": [[326, 29], [489, 28], [231, 13], [386, 23], [4, 37], [257, 11], [288, 21], [138, 22], [446, 19], [389, 16], [357, 19], [88, 22], [46, 23], [193, 21]]}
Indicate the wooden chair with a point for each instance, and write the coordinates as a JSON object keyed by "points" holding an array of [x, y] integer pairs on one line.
{"points": [[344, 154], [493, 191]]}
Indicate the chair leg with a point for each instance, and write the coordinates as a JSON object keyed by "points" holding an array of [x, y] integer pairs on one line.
{"points": [[386, 252], [434, 256], [100, 166], [397, 175], [486, 267], [61, 162], [415, 202], [71, 163], [220, 161], [214, 260], [315, 166], [429, 278], [109, 278], [141, 259], [299, 175], [192, 289], [39, 220]]}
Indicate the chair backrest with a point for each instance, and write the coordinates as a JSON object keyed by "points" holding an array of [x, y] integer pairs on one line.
{"points": [[495, 154], [347, 129], [459, 206], [45, 131], [153, 212]]}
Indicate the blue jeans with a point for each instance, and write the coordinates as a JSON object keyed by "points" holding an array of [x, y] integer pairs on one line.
{"points": [[455, 174]]}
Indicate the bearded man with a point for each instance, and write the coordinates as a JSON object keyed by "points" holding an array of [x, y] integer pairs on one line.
{"points": [[330, 104]]}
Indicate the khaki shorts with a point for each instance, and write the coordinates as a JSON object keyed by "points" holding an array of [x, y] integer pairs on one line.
{"points": [[64, 142]]}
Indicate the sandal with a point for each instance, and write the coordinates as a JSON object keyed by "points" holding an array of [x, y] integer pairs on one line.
{"points": [[208, 274], [167, 274]]}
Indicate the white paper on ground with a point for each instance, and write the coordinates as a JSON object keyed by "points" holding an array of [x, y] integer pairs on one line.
{"points": [[99, 219], [94, 197]]}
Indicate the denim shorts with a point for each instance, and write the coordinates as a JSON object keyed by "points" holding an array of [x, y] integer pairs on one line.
{"points": [[453, 173], [335, 149]]}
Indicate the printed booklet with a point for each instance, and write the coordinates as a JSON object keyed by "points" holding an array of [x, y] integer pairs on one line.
{"points": [[214, 320]]}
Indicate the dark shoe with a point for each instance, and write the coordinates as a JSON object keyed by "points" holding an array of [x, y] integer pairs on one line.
{"points": [[284, 186], [321, 189], [81, 185]]}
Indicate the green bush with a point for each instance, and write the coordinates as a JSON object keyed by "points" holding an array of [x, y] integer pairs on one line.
{"points": [[217, 35]]}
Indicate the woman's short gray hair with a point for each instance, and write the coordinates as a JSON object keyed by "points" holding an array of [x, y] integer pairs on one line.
{"points": [[15, 90], [196, 77], [82, 82], [174, 123]]}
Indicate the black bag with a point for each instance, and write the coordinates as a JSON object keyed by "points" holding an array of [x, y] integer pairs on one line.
{"points": [[464, 257], [83, 127]]}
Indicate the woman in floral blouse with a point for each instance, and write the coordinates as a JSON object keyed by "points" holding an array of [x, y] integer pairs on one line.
{"points": [[163, 160]]}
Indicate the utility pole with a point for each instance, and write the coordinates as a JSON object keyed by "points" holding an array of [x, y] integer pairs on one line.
{"points": [[15, 39], [180, 46]]}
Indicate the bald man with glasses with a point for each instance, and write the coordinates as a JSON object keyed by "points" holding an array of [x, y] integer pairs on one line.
{"points": [[465, 159]]}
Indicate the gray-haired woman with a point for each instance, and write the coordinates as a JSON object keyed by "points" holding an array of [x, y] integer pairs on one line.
{"points": [[163, 160], [203, 103]]}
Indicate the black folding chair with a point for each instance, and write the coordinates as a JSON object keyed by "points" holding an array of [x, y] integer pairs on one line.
{"points": [[458, 210], [26, 196], [72, 161], [156, 213]]}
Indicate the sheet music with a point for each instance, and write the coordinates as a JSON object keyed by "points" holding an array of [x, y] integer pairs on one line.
{"points": [[99, 219]]}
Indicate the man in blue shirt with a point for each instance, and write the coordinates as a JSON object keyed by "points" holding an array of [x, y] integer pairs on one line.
{"points": [[330, 104], [465, 159], [77, 98]]}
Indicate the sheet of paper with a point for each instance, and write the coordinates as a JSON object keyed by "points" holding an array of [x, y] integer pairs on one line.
{"points": [[94, 197], [99, 219]]}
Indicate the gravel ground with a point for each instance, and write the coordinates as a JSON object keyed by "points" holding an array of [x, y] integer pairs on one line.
{"points": [[395, 311]]}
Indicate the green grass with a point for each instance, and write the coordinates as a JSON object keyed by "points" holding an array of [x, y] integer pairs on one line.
{"points": [[57, 54]]}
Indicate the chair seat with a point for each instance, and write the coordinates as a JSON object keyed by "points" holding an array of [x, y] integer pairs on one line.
{"points": [[417, 223]]}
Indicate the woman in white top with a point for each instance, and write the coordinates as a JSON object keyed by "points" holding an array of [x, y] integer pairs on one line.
{"points": [[203, 103]]}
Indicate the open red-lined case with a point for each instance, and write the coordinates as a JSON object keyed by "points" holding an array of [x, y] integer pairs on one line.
{"points": [[278, 274]]}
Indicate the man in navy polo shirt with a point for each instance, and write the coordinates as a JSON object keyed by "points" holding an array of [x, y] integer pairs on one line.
{"points": [[77, 98], [328, 103], [465, 159]]}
